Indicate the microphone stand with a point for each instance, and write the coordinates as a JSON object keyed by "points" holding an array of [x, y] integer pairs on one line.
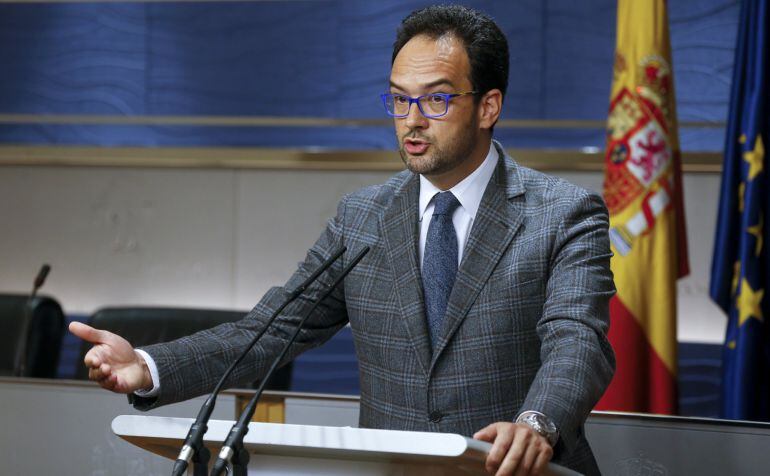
{"points": [[193, 450], [20, 360], [233, 450]]}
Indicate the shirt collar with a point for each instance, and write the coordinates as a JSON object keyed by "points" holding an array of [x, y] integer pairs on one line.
{"points": [[469, 191]]}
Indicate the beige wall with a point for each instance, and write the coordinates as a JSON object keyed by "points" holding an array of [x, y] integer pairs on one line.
{"points": [[220, 237]]}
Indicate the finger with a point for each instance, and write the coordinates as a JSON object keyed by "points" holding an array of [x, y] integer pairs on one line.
{"points": [[99, 373], [531, 452], [92, 358], [110, 383], [515, 453], [96, 375], [541, 462], [488, 433], [106, 369], [500, 448], [90, 334]]}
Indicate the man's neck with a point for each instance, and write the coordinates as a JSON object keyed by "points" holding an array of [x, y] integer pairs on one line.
{"points": [[452, 177]]}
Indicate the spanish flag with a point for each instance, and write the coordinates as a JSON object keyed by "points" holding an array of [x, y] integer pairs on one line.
{"points": [[643, 191]]}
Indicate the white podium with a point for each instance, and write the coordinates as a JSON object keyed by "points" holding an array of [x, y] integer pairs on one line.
{"points": [[288, 450]]}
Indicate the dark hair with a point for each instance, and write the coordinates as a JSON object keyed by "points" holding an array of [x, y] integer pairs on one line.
{"points": [[484, 43]]}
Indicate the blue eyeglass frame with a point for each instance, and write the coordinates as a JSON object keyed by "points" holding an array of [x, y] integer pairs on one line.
{"points": [[447, 97]]}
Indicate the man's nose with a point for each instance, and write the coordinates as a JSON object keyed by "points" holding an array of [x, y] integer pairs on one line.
{"points": [[415, 119]]}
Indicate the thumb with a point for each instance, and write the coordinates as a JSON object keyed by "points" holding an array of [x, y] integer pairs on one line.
{"points": [[488, 433], [90, 334]]}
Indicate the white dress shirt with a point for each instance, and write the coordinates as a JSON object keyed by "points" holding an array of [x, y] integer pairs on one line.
{"points": [[468, 192]]}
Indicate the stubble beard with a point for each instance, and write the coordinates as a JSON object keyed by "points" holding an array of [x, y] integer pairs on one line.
{"points": [[441, 158]]}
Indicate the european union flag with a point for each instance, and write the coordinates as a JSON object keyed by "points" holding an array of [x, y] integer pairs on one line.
{"points": [[740, 272]]}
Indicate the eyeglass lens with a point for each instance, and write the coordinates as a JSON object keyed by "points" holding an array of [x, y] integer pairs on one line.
{"points": [[430, 105]]}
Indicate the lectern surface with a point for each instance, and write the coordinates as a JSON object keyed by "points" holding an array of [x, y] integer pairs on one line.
{"points": [[306, 449], [307, 440]]}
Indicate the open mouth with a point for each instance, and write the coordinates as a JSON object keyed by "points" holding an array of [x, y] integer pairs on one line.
{"points": [[416, 146]]}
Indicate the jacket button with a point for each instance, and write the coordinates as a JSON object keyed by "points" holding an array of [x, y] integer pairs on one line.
{"points": [[435, 416]]}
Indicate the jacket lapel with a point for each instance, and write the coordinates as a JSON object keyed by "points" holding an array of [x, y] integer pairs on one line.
{"points": [[399, 229], [495, 225]]}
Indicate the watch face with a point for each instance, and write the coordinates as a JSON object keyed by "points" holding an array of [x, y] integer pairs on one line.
{"points": [[542, 425], [547, 424]]}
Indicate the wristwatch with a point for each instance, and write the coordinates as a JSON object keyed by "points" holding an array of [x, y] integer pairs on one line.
{"points": [[541, 424]]}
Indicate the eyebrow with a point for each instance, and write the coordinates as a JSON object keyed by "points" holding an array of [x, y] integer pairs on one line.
{"points": [[432, 84]]}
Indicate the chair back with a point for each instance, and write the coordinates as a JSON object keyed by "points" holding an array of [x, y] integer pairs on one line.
{"points": [[43, 339]]}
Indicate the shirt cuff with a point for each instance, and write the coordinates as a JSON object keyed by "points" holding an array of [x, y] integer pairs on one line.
{"points": [[155, 390]]}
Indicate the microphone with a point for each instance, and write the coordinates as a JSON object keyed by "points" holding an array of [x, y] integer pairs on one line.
{"points": [[193, 448], [20, 361], [232, 449], [40, 278]]}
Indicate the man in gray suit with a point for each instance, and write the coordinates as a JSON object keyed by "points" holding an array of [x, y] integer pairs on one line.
{"points": [[482, 307]]}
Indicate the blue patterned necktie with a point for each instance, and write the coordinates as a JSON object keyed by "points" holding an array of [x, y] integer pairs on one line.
{"points": [[439, 263]]}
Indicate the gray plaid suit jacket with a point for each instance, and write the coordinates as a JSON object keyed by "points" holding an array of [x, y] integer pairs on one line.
{"points": [[525, 326]]}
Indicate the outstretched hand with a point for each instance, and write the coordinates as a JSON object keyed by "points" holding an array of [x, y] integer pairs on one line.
{"points": [[112, 361]]}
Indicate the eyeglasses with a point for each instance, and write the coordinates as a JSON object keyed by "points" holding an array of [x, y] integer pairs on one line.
{"points": [[431, 105]]}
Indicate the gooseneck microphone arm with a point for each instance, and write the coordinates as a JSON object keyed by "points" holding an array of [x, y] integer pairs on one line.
{"points": [[232, 449], [20, 360], [193, 448]]}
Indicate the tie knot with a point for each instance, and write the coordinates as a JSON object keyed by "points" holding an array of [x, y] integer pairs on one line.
{"points": [[444, 203]]}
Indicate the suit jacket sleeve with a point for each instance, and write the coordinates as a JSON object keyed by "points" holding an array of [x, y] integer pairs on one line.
{"points": [[191, 366], [577, 361]]}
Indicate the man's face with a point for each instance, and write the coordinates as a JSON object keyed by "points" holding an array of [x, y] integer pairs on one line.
{"points": [[435, 147]]}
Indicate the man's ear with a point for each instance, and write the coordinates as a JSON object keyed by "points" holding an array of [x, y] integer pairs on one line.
{"points": [[490, 107]]}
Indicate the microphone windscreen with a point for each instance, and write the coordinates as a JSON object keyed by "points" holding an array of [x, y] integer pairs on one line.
{"points": [[41, 275]]}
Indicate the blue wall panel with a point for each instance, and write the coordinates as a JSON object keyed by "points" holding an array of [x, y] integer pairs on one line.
{"points": [[245, 59], [578, 56], [73, 58], [327, 58], [703, 34]]}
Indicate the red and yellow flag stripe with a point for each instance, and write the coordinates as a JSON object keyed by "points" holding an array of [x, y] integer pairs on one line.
{"points": [[643, 191]]}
